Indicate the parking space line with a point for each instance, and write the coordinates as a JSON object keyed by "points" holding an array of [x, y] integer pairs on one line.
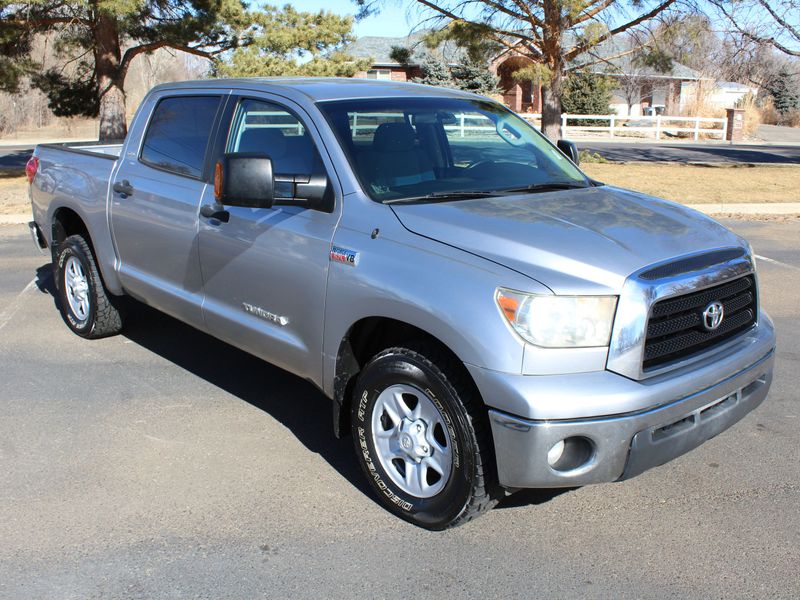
{"points": [[776, 262], [15, 305]]}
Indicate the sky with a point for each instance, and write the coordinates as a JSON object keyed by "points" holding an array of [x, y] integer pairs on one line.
{"points": [[392, 20]]}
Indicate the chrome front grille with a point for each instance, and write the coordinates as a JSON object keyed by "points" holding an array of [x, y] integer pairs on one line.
{"points": [[676, 330]]}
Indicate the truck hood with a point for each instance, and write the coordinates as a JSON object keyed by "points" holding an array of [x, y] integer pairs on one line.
{"points": [[572, 241]]}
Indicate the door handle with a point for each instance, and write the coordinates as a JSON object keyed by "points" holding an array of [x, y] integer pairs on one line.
{"points": [[123, 188], [215, 211]]}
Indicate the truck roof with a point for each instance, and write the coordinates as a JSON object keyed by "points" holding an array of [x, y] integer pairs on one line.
{"points": [[321, 88]]}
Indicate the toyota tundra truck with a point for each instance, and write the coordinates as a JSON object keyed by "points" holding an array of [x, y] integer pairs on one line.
{"points": [[483, 315]]}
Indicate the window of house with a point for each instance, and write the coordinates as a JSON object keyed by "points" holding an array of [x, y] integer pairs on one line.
{"points": [[382, 74], [177, 136]]}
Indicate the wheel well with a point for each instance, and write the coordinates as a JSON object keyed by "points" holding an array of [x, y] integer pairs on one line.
{"points": [[67, 222], [364, 340]]}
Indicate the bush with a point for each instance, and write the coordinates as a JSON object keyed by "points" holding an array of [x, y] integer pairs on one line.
{"points": [[587, 94], [790, 119]]}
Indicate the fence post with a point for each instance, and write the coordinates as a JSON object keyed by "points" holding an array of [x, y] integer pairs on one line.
{"points": [[563, 126], [725, 129], [355, 124], [696, 128], [658, 127], [612, 125]]}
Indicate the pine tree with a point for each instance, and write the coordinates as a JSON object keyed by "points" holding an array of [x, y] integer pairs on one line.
{"points": [[785, 91], [287, 42], [473, 76], [435, 72], [91, 35], [587, 94]]}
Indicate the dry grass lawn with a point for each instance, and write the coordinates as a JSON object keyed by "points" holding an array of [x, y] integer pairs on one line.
{"points": [[700, 185], [681, 183], [14, 195]]}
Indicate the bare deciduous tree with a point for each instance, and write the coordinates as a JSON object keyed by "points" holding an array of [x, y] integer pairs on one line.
{"points": [[773, 23], [550, 33]]}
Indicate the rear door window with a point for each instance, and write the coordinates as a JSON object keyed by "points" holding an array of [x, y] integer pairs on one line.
{"points": [[177, 136]]}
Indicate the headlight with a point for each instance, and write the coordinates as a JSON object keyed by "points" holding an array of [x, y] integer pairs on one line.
{"points": [[559, 321]]}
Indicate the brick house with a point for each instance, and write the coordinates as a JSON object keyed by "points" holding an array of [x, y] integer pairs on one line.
{"points": [[641, 90]]}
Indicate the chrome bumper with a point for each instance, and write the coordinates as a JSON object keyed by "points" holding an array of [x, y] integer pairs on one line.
{"points": [[627, 444], [36, 235]]}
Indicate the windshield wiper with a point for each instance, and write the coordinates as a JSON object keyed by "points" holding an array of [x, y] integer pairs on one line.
{"points": [[443, 197], [544, 187]]}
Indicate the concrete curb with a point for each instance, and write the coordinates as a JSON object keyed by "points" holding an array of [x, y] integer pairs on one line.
{"points": [[699, 163], [748, 208]]}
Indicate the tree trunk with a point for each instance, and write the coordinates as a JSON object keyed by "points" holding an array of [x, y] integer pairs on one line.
{"points": [[551, 104], [554, 61], [110, 80]]}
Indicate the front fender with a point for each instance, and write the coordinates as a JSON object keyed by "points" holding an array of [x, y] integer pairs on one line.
{"points": [[441, 290]]}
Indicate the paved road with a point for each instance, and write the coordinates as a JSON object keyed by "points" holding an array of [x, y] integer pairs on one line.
{"points": [[13, 157], [688, 152], [17, 156], [164, 464], [779, 134]]}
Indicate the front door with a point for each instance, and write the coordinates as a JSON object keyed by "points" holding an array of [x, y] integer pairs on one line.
{"points": [[155, 200], [265, 270]]}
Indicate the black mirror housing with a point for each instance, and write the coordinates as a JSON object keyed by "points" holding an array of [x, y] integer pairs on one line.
{"points": [[247, 180], [309, 191], [570, 150]]}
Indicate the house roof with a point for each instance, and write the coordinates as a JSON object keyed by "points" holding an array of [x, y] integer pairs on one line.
{"points": [[379, 48], [605, 58]]}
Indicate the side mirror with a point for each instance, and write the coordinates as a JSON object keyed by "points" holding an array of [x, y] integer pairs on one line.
{"points": [[570, 150], [245, 179], [307, 191]]}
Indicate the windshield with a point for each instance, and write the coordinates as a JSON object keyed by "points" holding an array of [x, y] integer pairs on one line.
{"points": [[420, 148]]}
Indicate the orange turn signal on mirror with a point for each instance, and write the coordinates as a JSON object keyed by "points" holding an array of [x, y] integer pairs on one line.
{"points": [[218, 181]]}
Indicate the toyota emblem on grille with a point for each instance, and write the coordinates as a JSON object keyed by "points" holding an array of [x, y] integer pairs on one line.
{"points": [[713, 315]]}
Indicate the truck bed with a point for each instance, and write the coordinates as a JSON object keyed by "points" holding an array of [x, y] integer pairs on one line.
{"points": [[111, 151]]}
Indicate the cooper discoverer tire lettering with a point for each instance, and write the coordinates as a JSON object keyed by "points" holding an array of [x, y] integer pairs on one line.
{"points": [[422, 437]]}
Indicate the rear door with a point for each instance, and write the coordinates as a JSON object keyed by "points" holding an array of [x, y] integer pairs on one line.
{"points": [[265, 270], [155, 200]]}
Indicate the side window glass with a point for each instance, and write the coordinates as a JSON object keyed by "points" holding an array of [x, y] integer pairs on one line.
{"points": [[177, 136], [271, 130]]}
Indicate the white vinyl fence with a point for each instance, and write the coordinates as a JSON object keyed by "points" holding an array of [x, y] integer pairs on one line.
{"points": [[657, 125], [364, 124]]}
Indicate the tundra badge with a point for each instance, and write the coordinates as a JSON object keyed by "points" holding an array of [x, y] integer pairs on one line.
{"points": [[265, 314]]}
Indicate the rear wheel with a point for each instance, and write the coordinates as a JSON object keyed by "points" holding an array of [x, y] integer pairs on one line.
{"points": [[87, 308], [422, 437]]}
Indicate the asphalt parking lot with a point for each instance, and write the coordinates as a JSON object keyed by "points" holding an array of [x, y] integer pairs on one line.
{"points": [[164, 464]]}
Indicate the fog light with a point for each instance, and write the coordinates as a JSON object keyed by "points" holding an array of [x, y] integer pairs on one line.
{"points": [[554, 454], [570, 454]]}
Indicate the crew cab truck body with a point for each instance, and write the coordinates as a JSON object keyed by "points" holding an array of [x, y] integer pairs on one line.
{"points": [[484, 316]]}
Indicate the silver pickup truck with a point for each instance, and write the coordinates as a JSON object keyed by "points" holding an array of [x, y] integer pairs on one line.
{"points": [[483, 315]]}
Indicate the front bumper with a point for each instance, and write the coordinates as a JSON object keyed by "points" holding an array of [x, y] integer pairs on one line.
{"points": [[625, 444]]}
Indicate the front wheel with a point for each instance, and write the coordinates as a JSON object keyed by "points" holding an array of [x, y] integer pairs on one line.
{"points": [[422, 437]]}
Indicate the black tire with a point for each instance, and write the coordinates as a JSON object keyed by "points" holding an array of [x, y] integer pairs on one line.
{"points": [[471, 488], [103, 317]]}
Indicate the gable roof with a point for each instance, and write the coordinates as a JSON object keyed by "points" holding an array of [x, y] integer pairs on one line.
{"points": [[379, 49], [604, 59]]}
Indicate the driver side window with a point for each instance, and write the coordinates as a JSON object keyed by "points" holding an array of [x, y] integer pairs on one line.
{"points": [[269, 129]]}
